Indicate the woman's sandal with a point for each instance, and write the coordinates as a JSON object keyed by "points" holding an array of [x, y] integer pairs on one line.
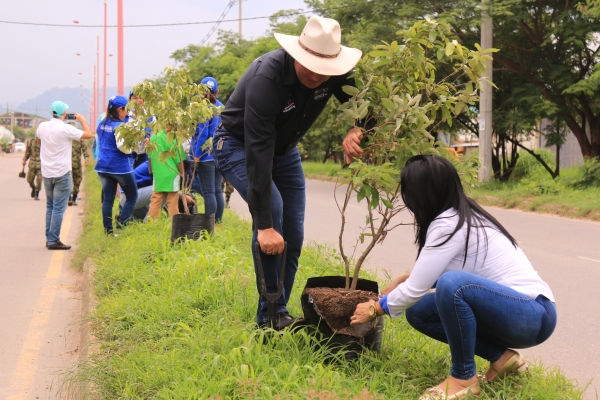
{"points": [[514, 364], [435, 393]]}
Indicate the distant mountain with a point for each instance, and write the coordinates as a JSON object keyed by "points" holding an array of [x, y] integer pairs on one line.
{"points": [[71, 96]]}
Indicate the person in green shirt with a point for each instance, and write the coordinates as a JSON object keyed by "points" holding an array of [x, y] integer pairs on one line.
{"points": [[167, 174]]}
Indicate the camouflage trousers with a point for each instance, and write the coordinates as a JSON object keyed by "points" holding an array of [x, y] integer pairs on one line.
{"points": [[77, 174], [34, 172], [227, 188]]}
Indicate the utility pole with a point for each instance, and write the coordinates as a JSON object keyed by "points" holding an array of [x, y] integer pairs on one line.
{"points": [[485, 99], [240, 18], [121, 85]]}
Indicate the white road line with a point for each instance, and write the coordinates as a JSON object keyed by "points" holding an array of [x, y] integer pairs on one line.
{"points": [[27, 364], [589, 259]]}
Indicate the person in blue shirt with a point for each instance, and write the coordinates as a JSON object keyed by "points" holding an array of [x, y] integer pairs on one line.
{"points": [[209, 177], [144, 184], [114, 166], [140, 156]]}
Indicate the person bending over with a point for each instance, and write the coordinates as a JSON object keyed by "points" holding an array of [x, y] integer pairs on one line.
{"points": [[275, 103]]}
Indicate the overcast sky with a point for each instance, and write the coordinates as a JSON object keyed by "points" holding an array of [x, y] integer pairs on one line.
{"points": [[34, 59]]}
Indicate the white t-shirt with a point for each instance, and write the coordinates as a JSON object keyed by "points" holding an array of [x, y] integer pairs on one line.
{"points": [[499, 261], [55, 151]]}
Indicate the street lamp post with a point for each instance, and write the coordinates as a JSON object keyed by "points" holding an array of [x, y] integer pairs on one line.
{"points": [[97, 74], [120, 68], [104, 75], [94, 92]]}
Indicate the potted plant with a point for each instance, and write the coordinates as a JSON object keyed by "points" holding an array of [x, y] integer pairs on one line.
{"points": [[175, 106], [404, 92]]}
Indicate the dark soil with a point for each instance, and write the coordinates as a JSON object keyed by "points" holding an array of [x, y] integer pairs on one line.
{"points": [[336, 306]]}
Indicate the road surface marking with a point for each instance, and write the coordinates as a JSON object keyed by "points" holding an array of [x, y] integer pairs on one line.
{"points": [[28, 358], [589, 259]]}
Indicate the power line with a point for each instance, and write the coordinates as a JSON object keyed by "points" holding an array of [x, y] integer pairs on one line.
{"points": [[216, 25], [147, 25]]}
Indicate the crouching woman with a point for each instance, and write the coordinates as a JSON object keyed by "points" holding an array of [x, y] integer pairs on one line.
{"points": [[488, 299]]}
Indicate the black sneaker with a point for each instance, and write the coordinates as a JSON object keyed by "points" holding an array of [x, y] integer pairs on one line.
{"points": [[58, 246]]}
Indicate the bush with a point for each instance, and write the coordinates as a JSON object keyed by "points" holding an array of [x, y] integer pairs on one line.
{"points": [[527, 165]]}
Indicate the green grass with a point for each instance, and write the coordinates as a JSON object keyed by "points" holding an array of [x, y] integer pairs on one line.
{"points": [[534, 191], [178, 323], [323, 171]]}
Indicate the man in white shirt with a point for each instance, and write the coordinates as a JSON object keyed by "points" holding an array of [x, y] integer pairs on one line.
{"points": [[55, 154]]}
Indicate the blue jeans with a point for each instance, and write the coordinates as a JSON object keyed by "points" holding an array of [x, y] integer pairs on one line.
{"points": [[476, 316], [210, 187], [57, 195], [109, 189], [288, 201]]}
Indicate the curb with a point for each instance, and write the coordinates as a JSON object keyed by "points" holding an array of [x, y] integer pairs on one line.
{"points": [[87, 344]]}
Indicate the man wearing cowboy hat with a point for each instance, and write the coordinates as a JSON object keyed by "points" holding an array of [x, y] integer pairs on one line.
{"points": [[275, 103]]}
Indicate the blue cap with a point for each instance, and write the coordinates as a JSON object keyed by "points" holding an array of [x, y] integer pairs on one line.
{"points": [[211, 83], [58, 108], [117, 101]]}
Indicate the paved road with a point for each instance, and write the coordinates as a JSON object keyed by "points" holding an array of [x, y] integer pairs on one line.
{"points": [[565, 252], [39, 294]]}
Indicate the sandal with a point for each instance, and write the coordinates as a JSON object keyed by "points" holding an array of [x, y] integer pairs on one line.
{"points": [[514, 364], [436, 393]]}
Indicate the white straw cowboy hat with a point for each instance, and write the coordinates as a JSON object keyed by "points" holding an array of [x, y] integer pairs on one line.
{"points": [[319, 47]]}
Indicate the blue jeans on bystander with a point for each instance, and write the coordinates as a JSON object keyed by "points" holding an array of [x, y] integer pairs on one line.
{"points": [[109, 189], [210, 188], [477, 316], [288, 201], [57, 195]]}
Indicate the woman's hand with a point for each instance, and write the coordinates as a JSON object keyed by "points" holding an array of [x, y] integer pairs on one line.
{"points": [[394, 284], [362, 314]]}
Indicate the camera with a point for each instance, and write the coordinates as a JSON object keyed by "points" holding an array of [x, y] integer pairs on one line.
{"points": [[71, 116]]}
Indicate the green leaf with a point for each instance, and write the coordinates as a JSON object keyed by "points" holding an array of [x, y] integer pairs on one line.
{"points": [[375, 199], [387, 203]]}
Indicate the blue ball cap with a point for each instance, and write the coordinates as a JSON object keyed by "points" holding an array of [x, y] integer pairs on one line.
{"points": [[211, 83], [58, 108], [117, 101]]}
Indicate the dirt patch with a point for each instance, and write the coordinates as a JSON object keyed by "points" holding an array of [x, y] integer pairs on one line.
{"points": [[336, 306]]}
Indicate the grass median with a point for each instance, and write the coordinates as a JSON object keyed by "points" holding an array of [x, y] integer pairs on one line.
{"points": [[177, 322], [535, 191]]}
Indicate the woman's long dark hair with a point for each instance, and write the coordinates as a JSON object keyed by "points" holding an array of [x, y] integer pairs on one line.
{"points": [[430, 185]]}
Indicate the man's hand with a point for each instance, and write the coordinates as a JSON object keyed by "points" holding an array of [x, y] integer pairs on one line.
{"points": [[196, 159], [23, 163], [351, 144], [394, 284], [79, 118], [271, 242], [86, 162]]}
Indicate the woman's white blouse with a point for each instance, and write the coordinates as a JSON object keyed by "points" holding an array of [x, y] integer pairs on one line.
{"points": [[499, 261]]}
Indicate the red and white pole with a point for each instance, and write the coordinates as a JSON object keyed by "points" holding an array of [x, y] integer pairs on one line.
{"points": [[121, 85], [104, 75]]}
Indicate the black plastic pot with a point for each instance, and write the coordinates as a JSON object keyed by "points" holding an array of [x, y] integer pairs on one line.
{"points": [[192, 226], [335, 342]]}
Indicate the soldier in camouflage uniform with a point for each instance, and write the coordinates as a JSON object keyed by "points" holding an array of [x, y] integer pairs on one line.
{"points": [[79, 149], [227, 188], [34, 171]]}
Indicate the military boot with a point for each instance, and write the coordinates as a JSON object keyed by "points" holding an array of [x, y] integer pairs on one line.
{"points": [[70, 202], [32, 192], [37, 195], [74, 200]]}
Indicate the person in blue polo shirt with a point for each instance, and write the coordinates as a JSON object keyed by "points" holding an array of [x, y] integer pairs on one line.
{"points": [[209, 177], [114, 166]]}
